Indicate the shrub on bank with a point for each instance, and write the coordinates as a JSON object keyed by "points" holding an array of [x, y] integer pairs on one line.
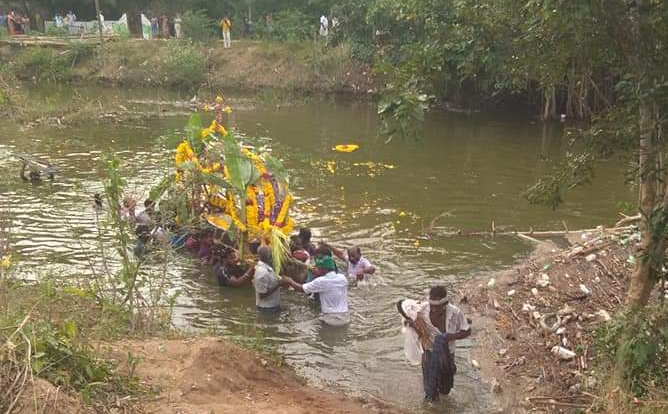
{"points": [[56, 31], [184, 66], [646, 350], [289, 26], [41, 65], [197, 26]]}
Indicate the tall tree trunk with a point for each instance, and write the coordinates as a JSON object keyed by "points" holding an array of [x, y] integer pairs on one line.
{"points": [[652, 211], [652, 244]]}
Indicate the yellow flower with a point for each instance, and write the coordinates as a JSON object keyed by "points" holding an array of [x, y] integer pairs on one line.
{"points": [[207, 108], [6, 261], [227, 110], [287, 228], [283, 213], [222, 222], [346, 147], [219, 99], [184, 153], [205, 133], [221, 130]]}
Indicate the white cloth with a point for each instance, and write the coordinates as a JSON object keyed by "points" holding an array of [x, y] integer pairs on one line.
{"points": [[335, 319], [333, 290], [145, 27], [324, 25], [412, 346], [177, 27], [265, 280]]}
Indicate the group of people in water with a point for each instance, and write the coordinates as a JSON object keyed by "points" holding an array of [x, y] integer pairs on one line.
{"points": [[321, 278], [431, 327]]}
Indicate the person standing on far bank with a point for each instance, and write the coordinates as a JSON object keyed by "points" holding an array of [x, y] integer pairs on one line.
{"points": [[324, 26], [225, 27]]}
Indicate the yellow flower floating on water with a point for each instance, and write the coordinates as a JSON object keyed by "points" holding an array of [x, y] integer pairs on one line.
{"points": [[227, 110], [346, 147], [6, 261]]}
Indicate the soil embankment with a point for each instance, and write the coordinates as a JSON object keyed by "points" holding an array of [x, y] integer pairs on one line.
{"points": [[304, 67], [203, 375]]}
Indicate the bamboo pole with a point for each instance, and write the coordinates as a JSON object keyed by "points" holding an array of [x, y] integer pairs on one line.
{"points": [[531, 232]]}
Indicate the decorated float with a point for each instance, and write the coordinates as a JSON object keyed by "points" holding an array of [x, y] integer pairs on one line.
{"points": [[219, 182]]}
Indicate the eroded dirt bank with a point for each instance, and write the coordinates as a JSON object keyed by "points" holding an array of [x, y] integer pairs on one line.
{"points": [[202, 375], [556, 298]]}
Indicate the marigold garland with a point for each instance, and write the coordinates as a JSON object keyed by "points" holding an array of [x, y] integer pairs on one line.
{"points": [[267, 202]]}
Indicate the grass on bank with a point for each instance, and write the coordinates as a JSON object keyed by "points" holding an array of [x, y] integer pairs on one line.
{"points": [[49, 330], [648, 355], [188, 65]]}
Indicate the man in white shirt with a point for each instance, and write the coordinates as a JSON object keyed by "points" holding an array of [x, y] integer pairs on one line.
{"points": [[332, 288], [324, 26], [446, 324], [267, 284], [357, 266]]}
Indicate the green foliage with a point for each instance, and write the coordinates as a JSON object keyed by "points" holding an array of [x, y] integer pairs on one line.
{"points": [[58, 325], [184, 66], [241, 169], [60, 356], [402, 113], [41, 64], [291, 26], [56, 31], [576, 170], [645, 351], [197, 26]]}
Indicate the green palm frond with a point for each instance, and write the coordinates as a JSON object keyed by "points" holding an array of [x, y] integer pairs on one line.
{"points": [[279, 249]]}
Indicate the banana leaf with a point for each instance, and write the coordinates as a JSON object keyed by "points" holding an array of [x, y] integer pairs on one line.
{"points": [[214, 179], [193, 131], [239, 167], [157, 191], [277, 168]]}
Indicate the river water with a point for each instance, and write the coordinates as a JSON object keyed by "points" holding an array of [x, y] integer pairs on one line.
{"points": [[380, 197]]}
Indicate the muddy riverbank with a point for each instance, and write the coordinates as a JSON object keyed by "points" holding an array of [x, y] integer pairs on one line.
{"points": [[537, 323], [304, 67]]}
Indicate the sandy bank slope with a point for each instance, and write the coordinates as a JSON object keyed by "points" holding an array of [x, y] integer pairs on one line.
{"points": [[209, 375]]}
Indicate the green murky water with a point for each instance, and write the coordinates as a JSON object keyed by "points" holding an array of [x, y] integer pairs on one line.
{"points": [[380, 197]]}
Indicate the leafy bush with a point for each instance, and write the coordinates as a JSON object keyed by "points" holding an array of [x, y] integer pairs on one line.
{"points": [[197, 26], [41, 64], [56, 31], [185, 65], [646, 351], [292, 26]]}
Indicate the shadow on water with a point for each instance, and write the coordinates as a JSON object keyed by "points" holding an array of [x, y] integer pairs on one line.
{"points": [[381, 197]]}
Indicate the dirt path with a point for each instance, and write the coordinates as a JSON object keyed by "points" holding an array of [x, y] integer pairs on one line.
{"points": [[212, 376]]}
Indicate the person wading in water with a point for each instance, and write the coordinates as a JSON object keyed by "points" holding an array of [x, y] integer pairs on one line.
{"points": [[438, 324]]}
